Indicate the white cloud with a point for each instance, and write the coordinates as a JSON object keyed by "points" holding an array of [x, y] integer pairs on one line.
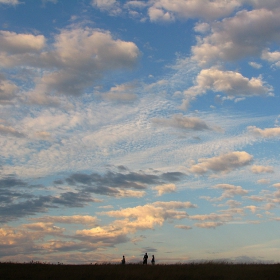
{"points": [[111, 6], [226, 42], [149, 215], [123, 92], [9, 2], [168, 10], [212, 217], [230, 191], [265, 133], [183, 122], [45, 228], [75, 219], [209, 224], [10, 131], [222, 164], [262, 169], [271, 56], [263, 181], [183, 227], [255, 65], [228, 82], [252, 208], [13, 43], [76, 59], [7, 91], [166, 188]]}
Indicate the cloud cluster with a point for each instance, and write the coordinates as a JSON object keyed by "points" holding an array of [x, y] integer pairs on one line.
{"points": [[149, 215], [226, 41], [262, 169], [183, 122], [230, 83], [75, 60], [265, 133], [222, 164], [169, 10], [9, 2], [229, 191], [17, 199], [166, 188]]}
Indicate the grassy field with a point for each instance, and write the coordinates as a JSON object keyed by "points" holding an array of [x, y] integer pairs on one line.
{"points": [[134, 271]]}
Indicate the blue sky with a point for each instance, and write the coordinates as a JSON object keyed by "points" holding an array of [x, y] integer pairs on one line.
{"points": [[139, 126]]}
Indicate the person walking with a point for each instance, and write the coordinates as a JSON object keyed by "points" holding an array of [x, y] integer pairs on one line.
{"points": [[145, 258], [153, 260]]}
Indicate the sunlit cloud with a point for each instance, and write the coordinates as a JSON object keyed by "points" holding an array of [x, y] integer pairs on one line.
{"points": [[222, 164]]}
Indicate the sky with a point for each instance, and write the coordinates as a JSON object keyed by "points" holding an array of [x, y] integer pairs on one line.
{"points": [[129, 127]]}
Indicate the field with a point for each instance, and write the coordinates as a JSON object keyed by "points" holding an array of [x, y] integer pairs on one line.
{"points": [[134, 271]]}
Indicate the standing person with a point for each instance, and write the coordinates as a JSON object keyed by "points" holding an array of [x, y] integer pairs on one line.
{"points": [[153, 260], [123, 260], [145, 258]]}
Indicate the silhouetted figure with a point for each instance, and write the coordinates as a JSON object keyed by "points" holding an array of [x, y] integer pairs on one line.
{"points": [[145, 258], [153, 260], [123, 260]]}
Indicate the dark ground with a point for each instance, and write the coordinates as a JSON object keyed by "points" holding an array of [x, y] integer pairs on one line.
{"points": [[201, 271]]}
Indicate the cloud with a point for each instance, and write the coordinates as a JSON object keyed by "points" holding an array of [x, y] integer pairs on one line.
{"points": [[212, 217], [123, 93], [277, 185], [273, 57], [119, 184], [13, 43], [229, 191], [149, 215], [10, 131], [183, 122], [45, 228], [8, 91], [226, 41], [169, 10], [167, 188], [183, 227], [222, 164], [263, 181], [252, 208], [75, 219], [265, 133], [209, 224], [103, 236], [74, 62], [255, 65], [228, 82], [9, 2], [17, 199], [262, 169], [111, 6]]}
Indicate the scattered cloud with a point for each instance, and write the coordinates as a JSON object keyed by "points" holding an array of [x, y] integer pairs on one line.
{"points": [[230, 191], [262, 169], [167, 188], [263, 181], [183, 227], [265, 133], [168, 10], [231, 83], [226, 41], [9, 2], [183, 122], [222, 164], [209, 224], [75, 219], [255, 65]]}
